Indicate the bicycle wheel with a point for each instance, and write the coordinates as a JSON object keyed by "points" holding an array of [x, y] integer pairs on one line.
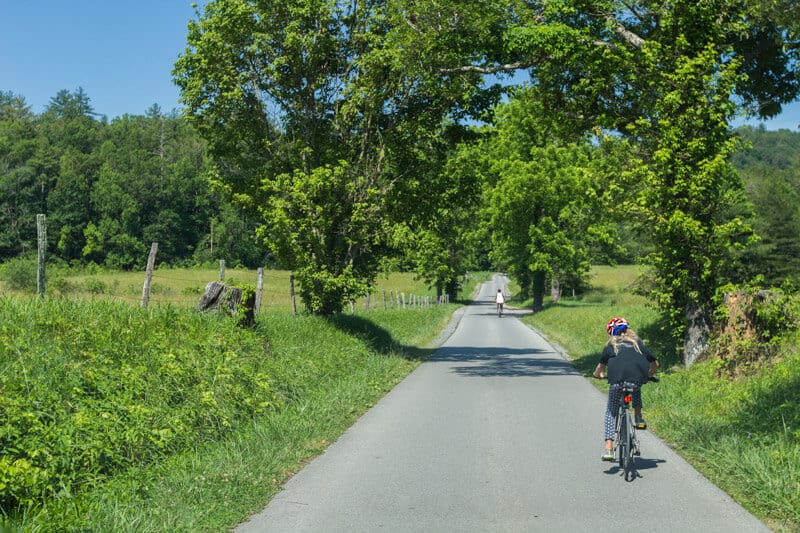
{"points": [[628, 466], [622, 442]]}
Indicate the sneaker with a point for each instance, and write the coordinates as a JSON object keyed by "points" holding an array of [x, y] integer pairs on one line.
{"points": [[640, 423], [608, 455]]}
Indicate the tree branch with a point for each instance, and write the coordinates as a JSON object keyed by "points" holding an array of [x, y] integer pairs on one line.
{"points": [[488, 70], [627, 35]]}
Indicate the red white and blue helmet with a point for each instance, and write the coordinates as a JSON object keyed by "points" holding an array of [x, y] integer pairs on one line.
{"points": [[616, 325]]}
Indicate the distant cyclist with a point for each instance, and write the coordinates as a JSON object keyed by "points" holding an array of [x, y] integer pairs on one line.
{"points": [[626, 359], [499, 299]]}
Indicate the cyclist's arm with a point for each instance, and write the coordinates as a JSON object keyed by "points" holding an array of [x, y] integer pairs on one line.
{"points": [[599, 371], [652, 370]]}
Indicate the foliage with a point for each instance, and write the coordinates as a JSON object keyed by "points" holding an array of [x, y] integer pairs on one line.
{"points": [[542, 209], [437, 230], [71, 421], [324, 225], [680, 189], [753, 325], [770, 168], [110, 190], [19, 273], [324, 95]]}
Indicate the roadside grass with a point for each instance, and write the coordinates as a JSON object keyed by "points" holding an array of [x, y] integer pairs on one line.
{"points": [[743, 433], [325, 373]]}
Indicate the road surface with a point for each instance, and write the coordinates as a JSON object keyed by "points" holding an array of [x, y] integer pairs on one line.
{"points": [[496, 432]]}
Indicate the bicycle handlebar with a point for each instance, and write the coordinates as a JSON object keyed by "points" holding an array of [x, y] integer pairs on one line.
{"points": [[654, 379]]}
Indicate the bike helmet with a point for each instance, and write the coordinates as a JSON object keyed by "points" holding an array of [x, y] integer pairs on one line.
{"points": [[616, 326]]}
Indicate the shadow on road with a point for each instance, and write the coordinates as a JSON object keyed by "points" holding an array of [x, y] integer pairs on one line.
{"points": [[641, 464], [506, 362]]}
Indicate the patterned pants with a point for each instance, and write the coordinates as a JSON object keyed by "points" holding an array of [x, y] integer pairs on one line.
{"points": [[614, 394]]}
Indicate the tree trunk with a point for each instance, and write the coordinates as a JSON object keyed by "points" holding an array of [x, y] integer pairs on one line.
{"points": [[538, 290], [698, 329], [555, 289], [219, 296]]}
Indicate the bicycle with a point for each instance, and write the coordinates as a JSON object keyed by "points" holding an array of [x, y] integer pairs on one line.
{"points": [[499, 309], [626, 444]]}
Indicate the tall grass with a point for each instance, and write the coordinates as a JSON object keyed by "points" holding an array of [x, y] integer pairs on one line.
{"points": [[742, 433], [320, 375]]}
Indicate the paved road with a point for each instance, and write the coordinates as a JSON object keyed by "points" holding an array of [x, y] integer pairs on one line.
{"points": [[495, 432]]}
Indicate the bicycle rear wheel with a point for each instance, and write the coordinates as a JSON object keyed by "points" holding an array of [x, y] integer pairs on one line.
{"points": [[628, 467], [622, 442]]}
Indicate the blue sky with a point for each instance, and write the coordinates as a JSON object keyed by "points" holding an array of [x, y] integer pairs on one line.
{"points": [[120, 52]]}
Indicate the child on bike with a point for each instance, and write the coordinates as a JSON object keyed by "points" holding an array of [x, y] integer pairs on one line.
{"points": [[625, 358]]}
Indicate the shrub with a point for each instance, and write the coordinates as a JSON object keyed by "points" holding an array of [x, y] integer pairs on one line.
{"points": [[752, 323], [19, 273]]}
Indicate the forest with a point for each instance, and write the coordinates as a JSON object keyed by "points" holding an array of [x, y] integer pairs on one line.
{"points": [[316, 137]]}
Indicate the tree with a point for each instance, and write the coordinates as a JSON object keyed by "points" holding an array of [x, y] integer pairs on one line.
{"points": [[19, 198], [542, 210], [317, 95], [69, 138], [681, 189], [663, 76], [436, 228]]}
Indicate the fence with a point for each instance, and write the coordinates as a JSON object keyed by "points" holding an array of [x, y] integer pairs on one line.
{"points": [[274, 289]]}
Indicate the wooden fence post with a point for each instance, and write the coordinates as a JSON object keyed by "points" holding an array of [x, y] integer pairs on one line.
{"points": [[384, 299], [148, 275], [41, 230], [222, 270], [259, 290], [366, 302]]}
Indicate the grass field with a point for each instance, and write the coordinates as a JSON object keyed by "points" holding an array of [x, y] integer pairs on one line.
{"points": [[183, 287]]}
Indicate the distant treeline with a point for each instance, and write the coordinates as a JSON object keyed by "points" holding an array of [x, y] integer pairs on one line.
{"points": [[109, 189], [770, 169]]}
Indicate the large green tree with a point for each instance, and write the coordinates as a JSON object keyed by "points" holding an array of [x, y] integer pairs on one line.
{"points": [[543, 210], [308, 107], [662, 75]]}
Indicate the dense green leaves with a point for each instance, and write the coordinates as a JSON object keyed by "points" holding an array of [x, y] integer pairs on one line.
{"points": [[109, 190]]}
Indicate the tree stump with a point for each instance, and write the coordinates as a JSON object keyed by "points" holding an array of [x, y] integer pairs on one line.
{"points": [[223, 298]]}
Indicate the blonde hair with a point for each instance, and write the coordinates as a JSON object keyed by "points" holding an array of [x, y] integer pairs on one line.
{"points": [[629, 336]]}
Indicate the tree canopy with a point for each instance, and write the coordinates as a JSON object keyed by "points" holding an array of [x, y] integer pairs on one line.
{"points": [[353, 135]]}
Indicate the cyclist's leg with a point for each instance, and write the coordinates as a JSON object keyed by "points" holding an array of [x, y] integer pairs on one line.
{"points": [[609, 420], [636, 401]]}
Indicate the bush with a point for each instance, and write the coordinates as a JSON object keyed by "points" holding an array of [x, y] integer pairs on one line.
{"points": [[19, 274], [752, 322]]}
